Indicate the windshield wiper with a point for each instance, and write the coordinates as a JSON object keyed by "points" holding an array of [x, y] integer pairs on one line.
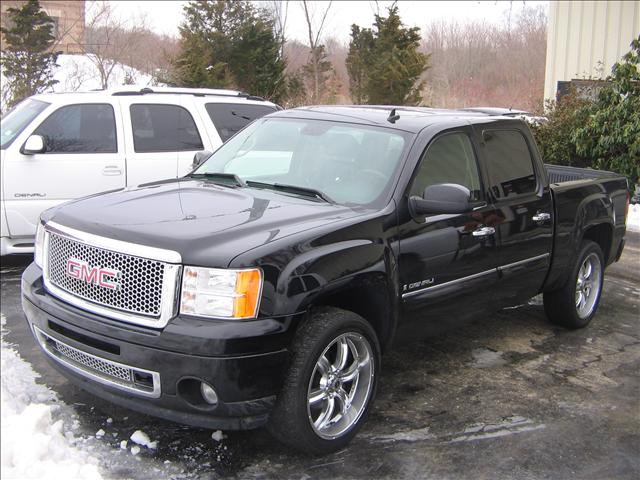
{"points": [[306, 191], [238, 182]]}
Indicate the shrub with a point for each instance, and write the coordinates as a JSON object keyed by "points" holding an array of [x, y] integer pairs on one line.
{"points": [[610, 137]]}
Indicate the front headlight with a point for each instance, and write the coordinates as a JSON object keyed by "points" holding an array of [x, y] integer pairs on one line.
{"points": [[39, 245], [214, 292]]}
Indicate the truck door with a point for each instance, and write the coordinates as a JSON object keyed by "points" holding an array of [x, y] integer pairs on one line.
{"points": [[161, 135], [448, 262], [84, 154], [524, 207]]}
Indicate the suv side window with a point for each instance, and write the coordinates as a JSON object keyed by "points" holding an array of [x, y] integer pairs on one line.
{"points": [[449, 159], [509, 163], [230, 118], [163, 128], [85, 128]]}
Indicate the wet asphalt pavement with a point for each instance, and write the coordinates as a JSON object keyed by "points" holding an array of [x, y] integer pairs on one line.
{"points": [[508, 396]]}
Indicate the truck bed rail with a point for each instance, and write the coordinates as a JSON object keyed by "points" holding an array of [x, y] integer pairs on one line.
{"points": [[560, 174]]}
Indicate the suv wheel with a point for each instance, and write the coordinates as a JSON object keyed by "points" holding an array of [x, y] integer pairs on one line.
{"points": [[330, 385], [576, 303]]}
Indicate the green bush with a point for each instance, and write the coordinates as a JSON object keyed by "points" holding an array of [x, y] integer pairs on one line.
{"points": [[611, 134], [554, 138], [603, 133]]}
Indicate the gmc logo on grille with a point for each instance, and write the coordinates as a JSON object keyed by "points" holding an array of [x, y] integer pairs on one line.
{"points": [[103, 277]]}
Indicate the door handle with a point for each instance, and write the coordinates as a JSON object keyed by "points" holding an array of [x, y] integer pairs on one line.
{"points": [[112, 170], [541, 217], [483, 232]]}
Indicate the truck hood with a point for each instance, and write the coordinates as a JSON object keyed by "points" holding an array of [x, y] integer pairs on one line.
{"points": [[197, 218]]}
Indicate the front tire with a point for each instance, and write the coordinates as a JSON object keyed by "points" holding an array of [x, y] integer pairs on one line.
{"points": [[576, 303], [330, 385]]}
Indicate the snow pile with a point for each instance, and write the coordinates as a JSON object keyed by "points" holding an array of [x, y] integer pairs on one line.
{"points": [[33, 445], [143, 439], [633, 219], [79, 73]]}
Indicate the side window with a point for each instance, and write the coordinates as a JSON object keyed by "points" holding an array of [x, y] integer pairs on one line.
{"points": [[449, 159], [86, 128], [509, 163], [163, 128], [230, 118]]}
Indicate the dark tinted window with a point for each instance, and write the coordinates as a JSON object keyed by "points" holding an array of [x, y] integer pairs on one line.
{"points": [[163, 128], [449, 159], [509, 163], [230, 118], [89, 128]]}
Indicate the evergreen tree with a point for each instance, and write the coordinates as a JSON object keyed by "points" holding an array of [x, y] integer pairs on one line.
{"points": [[27, 65], [359, 62], [384, 63], [230, 44]]}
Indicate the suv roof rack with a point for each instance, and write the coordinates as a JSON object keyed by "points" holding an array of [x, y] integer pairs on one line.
{"points": [[198, 92]]}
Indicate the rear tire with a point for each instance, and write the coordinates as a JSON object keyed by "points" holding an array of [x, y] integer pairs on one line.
{"points": [[330, 385], [576, 303]]}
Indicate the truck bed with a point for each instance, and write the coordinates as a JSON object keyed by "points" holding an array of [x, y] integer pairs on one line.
{"points": [[560, 174]]}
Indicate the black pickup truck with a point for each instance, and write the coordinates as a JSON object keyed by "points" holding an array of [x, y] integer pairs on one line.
{"points": [[263, 288]]}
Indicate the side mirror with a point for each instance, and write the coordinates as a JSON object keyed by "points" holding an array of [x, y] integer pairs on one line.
{"points": [[199, 158], [442, 198], [34, 144]]}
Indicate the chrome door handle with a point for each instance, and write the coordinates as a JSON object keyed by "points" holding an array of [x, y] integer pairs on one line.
{"points": [[110, 170], [483, 232], [541, 217]]}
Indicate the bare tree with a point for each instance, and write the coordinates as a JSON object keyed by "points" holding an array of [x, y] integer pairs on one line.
{"points": [[316, 49], [279, 10], [110, 38]]}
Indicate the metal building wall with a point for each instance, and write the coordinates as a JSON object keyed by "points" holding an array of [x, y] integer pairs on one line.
{"points": [[582, 33]]}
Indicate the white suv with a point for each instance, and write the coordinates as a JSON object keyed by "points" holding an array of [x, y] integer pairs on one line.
{"points": [[60, 146]]}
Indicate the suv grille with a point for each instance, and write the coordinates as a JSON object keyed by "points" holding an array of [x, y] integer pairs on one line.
{"points": [[139, 279]]}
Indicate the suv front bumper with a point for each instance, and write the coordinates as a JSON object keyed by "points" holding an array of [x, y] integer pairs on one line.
{"points": [[244, 361]]}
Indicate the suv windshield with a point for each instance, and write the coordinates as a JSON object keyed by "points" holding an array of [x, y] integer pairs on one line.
{"points": [[18, 119], [346, 163]]}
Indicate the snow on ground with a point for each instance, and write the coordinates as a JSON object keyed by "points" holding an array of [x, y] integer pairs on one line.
{"points": [[633, 219], [78, 73], [33, 443]]}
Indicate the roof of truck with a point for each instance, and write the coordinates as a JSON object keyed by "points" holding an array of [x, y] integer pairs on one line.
{"points": [[411, 119]]}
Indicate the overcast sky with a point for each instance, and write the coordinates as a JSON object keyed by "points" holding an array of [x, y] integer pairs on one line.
{"points": [[165, 16]]}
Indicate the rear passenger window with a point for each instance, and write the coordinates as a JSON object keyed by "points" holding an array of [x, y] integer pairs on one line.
{"points": [[509, 163], [87, 128], [230, 118], [163, 128], [449, 159]]}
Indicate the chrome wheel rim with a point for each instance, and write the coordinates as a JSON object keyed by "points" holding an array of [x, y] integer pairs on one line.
{"points": [[340, 385], [588, 285]]}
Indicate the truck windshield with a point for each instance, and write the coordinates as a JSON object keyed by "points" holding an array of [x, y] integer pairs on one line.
{"points": [[18, 119], [347, 163]]}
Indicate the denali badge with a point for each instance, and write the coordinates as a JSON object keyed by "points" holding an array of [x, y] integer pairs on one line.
{"points": [[103, 277]]}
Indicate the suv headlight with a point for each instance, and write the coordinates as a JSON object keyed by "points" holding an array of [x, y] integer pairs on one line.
{"points": [[39, 245], [225, 293]]}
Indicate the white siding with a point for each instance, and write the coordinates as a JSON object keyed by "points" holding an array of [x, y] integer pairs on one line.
{"points": [[583, 33]]}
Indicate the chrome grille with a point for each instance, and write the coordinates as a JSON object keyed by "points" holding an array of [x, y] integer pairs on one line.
{"points": [[93, 363], [140, 279], [124, 377]]}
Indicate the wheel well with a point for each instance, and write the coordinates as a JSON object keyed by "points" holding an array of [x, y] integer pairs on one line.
{"points": [[601, 234], [371, 302]]}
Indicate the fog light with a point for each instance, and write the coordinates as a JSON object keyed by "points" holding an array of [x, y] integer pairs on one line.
{"points": [[208, 393]]}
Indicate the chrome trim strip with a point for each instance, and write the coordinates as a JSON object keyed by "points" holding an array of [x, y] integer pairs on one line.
{"points": [[118, 246], [521, 262], [170, 284], [41, 337], [475, 275], [446, 284]]}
